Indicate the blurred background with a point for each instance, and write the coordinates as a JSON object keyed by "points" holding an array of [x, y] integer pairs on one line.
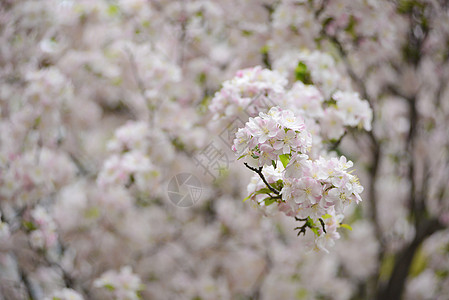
{"points": [[117, 181]]}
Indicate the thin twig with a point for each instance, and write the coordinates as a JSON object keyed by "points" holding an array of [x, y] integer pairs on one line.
{"points": [[323, 225], [303, 228], [259, 172]]}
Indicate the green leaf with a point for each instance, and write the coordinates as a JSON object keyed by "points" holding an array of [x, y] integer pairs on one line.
{"points": [[203, 107], [116, 81], [242, 156], [178, 144], [265, 49], [301, 294], [30, 226], [326, 216], [269, 201], [302, 73], [263, 191], [327, 21], [285, 159], [37, 122], [310, 223], [110, 287], [314, 230], [113, 10], [331, 102], [266, 56], [278, 184], [201, 78], [92, 213], [346, 226], [351, 26], [405, 6], [246, 198]]}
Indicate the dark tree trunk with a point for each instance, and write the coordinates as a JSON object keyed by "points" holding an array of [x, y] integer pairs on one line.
{"points": [[396, 284]]}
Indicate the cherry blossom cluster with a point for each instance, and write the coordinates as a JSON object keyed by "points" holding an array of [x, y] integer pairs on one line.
{"points": [[317, 93], [102, 102], [283, 144], [129, 164], [126, 169], [48, 96], [152, 68], [348, 110], [314, 67], [65, 294], [275, 146], [311, 188], [123, 285], [42, 229], [305, 100], [329, 117], [322, 94], [48, 88], [269, 135], [251, 90], [35, 174], [137, 136]]}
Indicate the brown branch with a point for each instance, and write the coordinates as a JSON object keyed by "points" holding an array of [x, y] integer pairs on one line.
{"points": [[27, 283], [404, 258], [259, 172], [414, 119]]}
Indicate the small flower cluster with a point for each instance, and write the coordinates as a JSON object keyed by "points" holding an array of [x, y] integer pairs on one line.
{"points": [[284, 143], [138, 136], [47, 98], [131, 136], [318, 94], [252, 90], [313, 188], [348, 110], [129, 164], [323, 71], [314, 67], [154, 68], [43, 229], [127, 169], [34, 174], [326, 239], [65, 294], [269, 135], [48, 88], [306, 99], [321, 94], [124, 285], [288, 180]]}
